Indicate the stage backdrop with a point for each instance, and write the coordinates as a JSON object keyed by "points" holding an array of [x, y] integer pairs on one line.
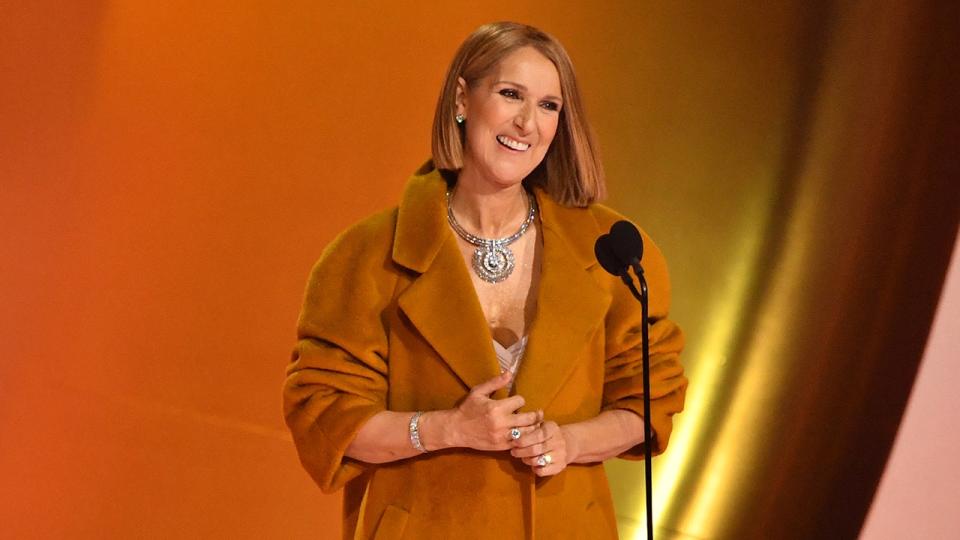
{"points": [[169, 172]]}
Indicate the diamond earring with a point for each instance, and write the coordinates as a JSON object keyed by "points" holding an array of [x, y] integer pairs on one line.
{"points": [[460, 118]]}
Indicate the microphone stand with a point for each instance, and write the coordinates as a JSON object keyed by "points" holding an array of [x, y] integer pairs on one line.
{"points": [[643, 298]]}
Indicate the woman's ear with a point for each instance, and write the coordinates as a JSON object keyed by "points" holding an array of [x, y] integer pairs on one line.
{"points": [[461, 98]]}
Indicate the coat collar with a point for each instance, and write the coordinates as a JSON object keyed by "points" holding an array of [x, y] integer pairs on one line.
{"points": [[442, 303]]}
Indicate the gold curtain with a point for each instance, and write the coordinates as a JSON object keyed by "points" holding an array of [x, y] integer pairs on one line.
{"points": [[828, 265]]}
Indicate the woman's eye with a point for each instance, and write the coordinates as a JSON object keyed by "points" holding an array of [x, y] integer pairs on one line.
{"points": [[510, 93], [550, 105]]}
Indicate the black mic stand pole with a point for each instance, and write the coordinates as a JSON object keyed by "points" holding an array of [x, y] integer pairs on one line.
{"points": [[647, 430]]}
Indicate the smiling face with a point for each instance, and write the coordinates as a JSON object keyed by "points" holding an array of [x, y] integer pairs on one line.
{"points": [[511, 118]]}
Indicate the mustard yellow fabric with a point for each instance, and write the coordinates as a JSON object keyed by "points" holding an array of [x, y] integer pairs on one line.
{"points": [[391, 321]]}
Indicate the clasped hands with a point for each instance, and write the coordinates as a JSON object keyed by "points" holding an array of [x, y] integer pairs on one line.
{"points": [[491, 424]]}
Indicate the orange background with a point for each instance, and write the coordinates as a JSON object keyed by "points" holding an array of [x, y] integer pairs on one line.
{"points": [[169, 172]]}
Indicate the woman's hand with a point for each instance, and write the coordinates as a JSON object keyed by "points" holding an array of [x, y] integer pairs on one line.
{"points": [[548, 449], [483, 423]]}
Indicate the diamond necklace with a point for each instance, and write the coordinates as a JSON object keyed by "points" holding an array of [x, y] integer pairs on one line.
{"points": [[492, 259]]}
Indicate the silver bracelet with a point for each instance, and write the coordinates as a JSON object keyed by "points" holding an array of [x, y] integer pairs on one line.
{"points": [[415, 432]]}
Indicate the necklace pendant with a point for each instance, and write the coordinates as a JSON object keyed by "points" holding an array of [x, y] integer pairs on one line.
{"points": [[493, 262]]}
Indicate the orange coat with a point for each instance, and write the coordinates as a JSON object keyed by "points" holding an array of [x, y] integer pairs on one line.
{"points": [[391, 321]]}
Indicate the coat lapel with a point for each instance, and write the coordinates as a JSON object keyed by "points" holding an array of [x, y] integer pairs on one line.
{"points": [[570, 307], [441, 302]]}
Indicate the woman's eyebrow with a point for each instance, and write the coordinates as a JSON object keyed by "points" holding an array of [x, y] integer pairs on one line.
{"points": [[524, 88]]}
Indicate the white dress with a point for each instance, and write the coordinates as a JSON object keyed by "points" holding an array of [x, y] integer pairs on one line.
{"points": [[509, 357]]}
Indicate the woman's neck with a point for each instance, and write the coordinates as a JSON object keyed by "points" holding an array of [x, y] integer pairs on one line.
{"points": [[486, 209]]}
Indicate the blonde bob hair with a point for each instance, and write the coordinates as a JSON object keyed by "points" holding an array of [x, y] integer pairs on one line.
{"points": [[571, 172]]}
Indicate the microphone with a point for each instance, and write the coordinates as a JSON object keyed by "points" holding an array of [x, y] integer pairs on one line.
{"points": [[617, 252], [627, 244], [620, 249], [607, 256]]}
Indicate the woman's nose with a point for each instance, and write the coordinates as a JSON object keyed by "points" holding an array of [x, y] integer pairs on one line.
{"points": [[525, 119]]}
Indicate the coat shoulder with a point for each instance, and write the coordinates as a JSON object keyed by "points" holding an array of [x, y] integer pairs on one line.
{"points": [[604, 215], [370, 238], [354, 276], [359, 258]]}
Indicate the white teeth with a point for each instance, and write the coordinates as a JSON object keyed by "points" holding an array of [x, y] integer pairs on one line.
{"points": [[516, 145]]}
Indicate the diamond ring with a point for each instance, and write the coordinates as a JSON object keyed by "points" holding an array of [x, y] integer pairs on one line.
{"points": [[515, 433], [544, 460]]}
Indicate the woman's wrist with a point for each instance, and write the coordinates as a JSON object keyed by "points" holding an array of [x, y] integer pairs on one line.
{"points": [[569, 433], [437, 430]]}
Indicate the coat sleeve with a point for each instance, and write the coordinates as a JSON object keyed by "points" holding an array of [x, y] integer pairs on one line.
{"points": [[623, 374], [337, 377]]}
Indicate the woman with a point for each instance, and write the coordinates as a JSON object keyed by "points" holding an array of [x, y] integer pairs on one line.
{"points": [[464, 366]]}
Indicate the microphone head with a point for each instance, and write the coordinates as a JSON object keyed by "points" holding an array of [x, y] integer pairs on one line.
{"points": [[626, 242], [603, 249]]}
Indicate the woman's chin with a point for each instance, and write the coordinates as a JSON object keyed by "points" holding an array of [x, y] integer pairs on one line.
{"points": [[510, 177], [503, 175]]}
